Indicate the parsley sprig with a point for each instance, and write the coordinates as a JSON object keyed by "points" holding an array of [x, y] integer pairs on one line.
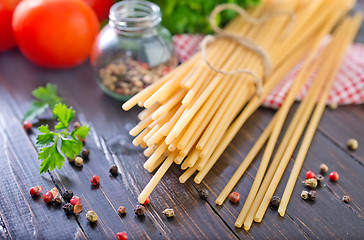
{"points": [[53, 143], [47, 97]]}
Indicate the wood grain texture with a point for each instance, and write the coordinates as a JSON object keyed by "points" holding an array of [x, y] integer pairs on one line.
{"points": [[22, 215], [114, 147]]}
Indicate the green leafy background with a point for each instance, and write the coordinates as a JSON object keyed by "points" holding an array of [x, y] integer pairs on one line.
{"points": [[191, 16]]}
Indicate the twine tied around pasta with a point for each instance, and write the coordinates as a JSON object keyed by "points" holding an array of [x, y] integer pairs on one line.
{"points": [[220, 33]]}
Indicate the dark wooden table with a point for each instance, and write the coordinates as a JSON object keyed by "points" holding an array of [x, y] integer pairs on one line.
{"points": [[26, 217]]}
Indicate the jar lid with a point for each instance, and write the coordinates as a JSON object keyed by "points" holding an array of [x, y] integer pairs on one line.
{"points": [[131, 15]]}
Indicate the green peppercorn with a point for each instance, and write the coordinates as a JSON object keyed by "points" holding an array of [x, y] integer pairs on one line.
{"points": [[311, 183], [79, 161], [168, 212], [346, 199], [324, 168], [304, 195], [76, 125], [91, 216], [352, 144]]}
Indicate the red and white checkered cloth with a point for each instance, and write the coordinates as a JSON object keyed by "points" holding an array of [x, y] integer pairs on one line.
{"points": [[348, 87]]}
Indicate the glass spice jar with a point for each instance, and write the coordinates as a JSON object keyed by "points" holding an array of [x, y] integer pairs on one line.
{"points": [[133, 50]]}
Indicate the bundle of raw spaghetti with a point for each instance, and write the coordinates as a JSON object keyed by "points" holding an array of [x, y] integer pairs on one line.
{"points": [[194, 112]]}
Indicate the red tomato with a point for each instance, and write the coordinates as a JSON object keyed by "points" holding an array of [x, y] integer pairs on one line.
{"points": [[55, 33], [7, 40], [101, 7]]}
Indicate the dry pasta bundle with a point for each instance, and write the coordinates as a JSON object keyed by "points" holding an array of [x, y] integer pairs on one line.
{"points": [[193, 113], [263, 190]]}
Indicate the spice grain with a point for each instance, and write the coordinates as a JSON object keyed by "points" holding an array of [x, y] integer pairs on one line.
{"points": [[324, 168], [274, 202], [304, 195], [346, 199], [203, 193], [168, 212], [122, 210], [67, 195], [68, 208], [139, 210], [312, 195], [91, 216]]}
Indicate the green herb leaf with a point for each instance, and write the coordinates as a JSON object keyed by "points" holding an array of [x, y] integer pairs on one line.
{"points": [[64, 115], [71, 147], [46, 97], [45, 139], [36, 109], [51, 158], [48, 94], [81, 132]]}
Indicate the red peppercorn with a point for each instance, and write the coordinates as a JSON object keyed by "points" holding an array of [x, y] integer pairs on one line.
{"points": [[147, 201], [234, 197], [48, 197], [75, 200], [122, 236], [334, 176], [310, 174], [27, 125], [95, 180], [35, 190]]}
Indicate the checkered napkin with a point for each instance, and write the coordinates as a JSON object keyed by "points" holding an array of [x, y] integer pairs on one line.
{"points": [[348, 87]]}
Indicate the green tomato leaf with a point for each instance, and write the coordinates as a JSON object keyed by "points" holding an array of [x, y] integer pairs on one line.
{"points": [[71, 147], [45, 139], [51, 158], [64, 115], [81, 132], [36, 109]]}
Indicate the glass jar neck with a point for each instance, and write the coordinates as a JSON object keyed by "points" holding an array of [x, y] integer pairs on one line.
{"points": [[132, 17]]}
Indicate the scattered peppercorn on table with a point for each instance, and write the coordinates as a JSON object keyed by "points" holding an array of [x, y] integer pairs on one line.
{"points": [[175, 211]]}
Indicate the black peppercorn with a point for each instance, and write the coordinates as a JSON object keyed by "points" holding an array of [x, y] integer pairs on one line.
{"points": [[312, 195], [139, 210], [85, 153], [346, 199], [68, 208], [320, 178], [113, 170], [203, 193], [67, 195], [274, 202]]}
